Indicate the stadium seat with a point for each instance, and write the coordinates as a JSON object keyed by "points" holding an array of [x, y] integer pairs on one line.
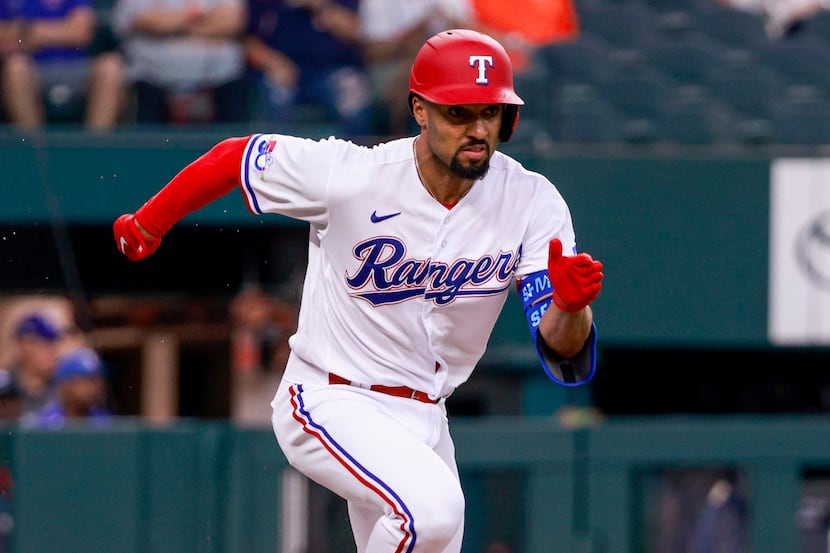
{"points": [[581, 116], [623, 24], [630, 63], [801, 61], [675, 25], [635, 95], [801, 117], [639, 100], [733, 28], [749, 90], [685, 61], [670, 6], [818, 27], [691, 116], [582, 60], [535, 86]]}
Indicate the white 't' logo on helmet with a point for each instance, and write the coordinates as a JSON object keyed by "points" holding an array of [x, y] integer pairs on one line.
{"points": [[482, 62]]}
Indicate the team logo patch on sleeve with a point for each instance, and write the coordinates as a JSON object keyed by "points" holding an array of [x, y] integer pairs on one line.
{"points": [[264, 157]]}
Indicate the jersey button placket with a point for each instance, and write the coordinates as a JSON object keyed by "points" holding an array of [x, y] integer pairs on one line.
{"points": [[443, 232]]}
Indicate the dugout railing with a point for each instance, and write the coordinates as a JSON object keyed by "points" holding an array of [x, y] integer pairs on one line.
{"points": [[213, 487]]}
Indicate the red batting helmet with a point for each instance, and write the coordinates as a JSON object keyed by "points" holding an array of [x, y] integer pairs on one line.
{"points": [[460, 66]]}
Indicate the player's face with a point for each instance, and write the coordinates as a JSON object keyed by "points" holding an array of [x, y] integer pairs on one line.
{"points": [[465, 136]]}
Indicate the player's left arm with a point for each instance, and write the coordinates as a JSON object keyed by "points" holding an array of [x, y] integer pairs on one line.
{"points": [[557, 305], [576, 281], [565, 333]]}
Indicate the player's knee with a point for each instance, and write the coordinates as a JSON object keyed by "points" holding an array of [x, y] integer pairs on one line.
{"points": [[437, 522]]}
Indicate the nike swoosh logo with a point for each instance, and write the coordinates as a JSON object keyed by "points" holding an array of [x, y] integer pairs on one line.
{"points": [[378, 218]]}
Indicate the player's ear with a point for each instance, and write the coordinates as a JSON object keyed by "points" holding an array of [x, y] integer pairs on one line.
{"points": [[418, 108]]}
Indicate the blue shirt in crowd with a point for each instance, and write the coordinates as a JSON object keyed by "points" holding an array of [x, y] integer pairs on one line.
{"points": [[29, 10], [291, 31], [53, 416]]}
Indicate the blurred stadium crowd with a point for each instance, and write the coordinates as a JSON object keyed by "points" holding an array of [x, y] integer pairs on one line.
{"points": [[743, 72]]}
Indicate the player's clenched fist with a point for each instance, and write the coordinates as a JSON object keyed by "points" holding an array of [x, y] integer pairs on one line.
{"points": [[131, 241], [576, 280]]}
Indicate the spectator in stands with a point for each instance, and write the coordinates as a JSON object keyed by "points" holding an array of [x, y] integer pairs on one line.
{"points": [[80, 392], [184, 59], [7, 29], [7, 45], [308, 52], [11, 400], [27, 384], [262, 322], [262, 325], [392, 32], [527, 26], [782, 18], [51, 73]]}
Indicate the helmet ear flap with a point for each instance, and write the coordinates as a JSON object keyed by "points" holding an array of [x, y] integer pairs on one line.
{"points": [[509, 122]]}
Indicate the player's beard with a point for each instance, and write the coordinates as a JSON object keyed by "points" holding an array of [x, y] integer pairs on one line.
{"points": [[473, 172]]}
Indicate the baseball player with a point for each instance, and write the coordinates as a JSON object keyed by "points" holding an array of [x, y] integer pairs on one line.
{"points": [[414, 245]]}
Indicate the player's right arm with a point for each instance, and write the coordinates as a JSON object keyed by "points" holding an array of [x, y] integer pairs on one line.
{"points": [[208, 178]]}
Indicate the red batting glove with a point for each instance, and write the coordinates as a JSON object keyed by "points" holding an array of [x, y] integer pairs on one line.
{"points": [[576, 280], [131, 241]]}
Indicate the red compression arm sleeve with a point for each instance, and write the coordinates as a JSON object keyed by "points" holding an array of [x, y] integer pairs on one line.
{"points": [[204, 180]]}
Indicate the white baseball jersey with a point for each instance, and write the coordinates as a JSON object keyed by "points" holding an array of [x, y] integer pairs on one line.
{"points": [[400, 290]]}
